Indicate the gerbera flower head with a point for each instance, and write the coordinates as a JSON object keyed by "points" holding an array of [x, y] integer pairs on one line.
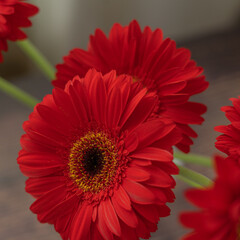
{"points": [[229, 141], [97, 168], [14, 15], [219, 214], [151, 60]]}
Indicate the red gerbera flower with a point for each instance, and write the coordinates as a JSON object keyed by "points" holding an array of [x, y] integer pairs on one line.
{"points": [[96, 167], [156, 63], [219, 217], [229, 142], [14, 14]]}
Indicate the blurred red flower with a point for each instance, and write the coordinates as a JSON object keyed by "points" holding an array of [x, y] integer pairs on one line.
{"points": [[14, 15], [98, 169], [219, 214], [229, 141], [156, 63]]}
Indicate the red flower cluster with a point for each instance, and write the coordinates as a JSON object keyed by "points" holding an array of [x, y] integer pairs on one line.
{"points": [[219, 217], [14, 15], [229, 142], [156, 63], [97, 168], [98, 150]]}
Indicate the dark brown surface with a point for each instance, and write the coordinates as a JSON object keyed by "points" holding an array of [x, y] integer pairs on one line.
{"points": [[219, 55]]}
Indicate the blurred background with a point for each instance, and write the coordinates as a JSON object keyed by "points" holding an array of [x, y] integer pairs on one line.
{"points": [[210, 29]]}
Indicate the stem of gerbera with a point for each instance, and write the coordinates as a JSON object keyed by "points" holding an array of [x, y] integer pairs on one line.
{"points": [[193, 176], [189, 182], [17, 93], [194, 158], [29, 49]]}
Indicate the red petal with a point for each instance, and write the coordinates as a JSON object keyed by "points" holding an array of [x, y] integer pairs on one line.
{"points": [[6, 10], [63, 223], [140, 162], [80, 100], [81, 222], [153, 154], [142, 229], [53, 117], [30, 146], [42, 159], [196, 85], [49, 200], [159, 178], [97, 93], [150, 212], [114, 111], [169, 140], [111, 217], [172, 88], [130, 107], [100, 45], [164, 211], [138, 116], [127, 216], [94, 214], [63, 101], [188, 113], [160, 195], [63, 208], [38, 165], [94, 233], [138, 193], [137, 174], [131, 142], [175, 99], [200, 197], [192, 219], [122, 198], [128, 233], [151, 131], [101, 224], [39, 186]]}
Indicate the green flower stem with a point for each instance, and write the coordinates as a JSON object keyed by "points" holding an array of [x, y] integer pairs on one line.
{"points": [[17, 93], [189, 182], [193, 176], [194, 158], [37, 57]]}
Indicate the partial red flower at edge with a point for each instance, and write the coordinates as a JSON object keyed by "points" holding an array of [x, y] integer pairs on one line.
{"points": [[156, 63], [97, 168], [14, 15], [229, 141], [219, 214]]}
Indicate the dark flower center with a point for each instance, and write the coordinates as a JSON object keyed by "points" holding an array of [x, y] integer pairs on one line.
{"points": [[93, 161]]}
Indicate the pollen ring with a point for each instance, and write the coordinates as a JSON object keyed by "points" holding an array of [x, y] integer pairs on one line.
{"points": [[93, 162]]}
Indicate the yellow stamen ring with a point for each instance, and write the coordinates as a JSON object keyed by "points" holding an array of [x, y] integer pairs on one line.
{"points": [[101, 146]]}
